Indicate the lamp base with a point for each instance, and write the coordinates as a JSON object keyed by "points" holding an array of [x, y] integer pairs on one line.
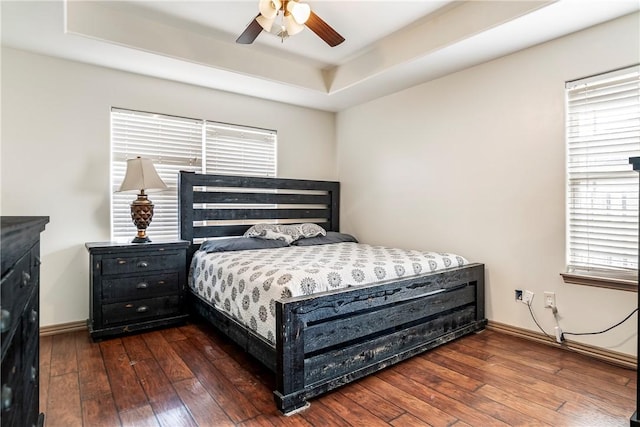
{"points": [[144, 239], [141, 214]]}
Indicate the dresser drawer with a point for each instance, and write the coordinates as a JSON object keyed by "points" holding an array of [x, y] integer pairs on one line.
{"points": [[30, 379], [32, 408], [35, 264], [11, 384], [135, 264], [127, 312], [31, 323], [15, 288], [30, 376], [137, 287]]}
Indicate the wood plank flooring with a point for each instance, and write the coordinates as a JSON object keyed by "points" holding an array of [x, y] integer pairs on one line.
{"points": [[192, 376]]}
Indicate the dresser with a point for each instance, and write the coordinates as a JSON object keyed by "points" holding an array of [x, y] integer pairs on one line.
{"points": [[136, 286], [20, 319]]}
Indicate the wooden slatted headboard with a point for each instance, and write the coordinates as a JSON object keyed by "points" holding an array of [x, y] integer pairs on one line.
{"points": [[226, 205]]}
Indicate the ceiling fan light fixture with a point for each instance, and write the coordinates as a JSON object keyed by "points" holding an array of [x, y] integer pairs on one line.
{"points": [[292, 26], [266, 23], [294, 17], [269, 8], [299, 11]]}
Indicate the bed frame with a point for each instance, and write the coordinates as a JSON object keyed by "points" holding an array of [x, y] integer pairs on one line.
{"points": [[330, 339]]}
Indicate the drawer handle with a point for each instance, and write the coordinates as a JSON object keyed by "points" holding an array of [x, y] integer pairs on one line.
{"points": [[142, 264], [142, 285], [34, 374], [5, 320], [25, 278], [7, 397], [33, 317], [142, 309], [122, 261]]}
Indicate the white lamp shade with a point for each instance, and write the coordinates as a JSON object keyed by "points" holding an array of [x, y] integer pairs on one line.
{"points": [[141, 175], [299, 11], [269, 8], [292, 26], [265, 23]]}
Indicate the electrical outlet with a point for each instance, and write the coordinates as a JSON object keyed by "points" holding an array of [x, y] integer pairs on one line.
{"points": [[519, 295], [549, 299], [527, 298]]}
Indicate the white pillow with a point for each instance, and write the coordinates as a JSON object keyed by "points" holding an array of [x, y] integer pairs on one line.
{"points": [[286, 232]]}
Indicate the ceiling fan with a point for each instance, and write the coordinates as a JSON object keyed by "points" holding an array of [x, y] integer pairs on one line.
{"points": [[294, 15]]}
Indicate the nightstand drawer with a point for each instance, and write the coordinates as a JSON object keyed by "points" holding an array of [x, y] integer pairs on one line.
{"points": [[135, 264], [140, 286], [127, 312]]}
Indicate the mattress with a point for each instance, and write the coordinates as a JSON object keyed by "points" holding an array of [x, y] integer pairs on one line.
{"points": [[246, 284]]}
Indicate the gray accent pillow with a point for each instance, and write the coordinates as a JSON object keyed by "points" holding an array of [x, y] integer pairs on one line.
{"points": [[239, 244], [330, 237], [286, 232]]}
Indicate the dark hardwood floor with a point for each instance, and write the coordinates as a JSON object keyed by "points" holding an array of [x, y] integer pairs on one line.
{"points": [[191, 376]]}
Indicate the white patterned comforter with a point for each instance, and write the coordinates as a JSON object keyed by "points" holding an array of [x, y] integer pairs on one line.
{"points": [[246, 284]]}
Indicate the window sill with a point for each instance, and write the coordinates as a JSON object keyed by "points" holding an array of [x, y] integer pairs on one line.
{"points": [[600, 282]]}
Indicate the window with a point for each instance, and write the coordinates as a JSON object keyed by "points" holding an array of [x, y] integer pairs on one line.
{"points": [[603, 131], [175, 144]]}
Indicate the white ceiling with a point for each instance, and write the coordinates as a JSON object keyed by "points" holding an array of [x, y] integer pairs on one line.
{"points": [[390, 45]]}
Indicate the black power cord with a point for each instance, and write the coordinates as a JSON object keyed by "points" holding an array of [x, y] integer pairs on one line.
{"points": [[575, 333], [605, 330], [537, 324]]}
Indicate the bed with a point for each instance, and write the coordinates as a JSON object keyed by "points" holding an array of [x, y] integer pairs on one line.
{"points": [[325, 339]]}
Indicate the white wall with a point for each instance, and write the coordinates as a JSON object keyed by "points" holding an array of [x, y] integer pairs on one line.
{"points": [[474, 163], [55, 154]]}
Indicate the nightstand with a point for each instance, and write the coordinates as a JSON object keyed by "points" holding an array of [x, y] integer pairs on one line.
{"points": [[136, 286]]}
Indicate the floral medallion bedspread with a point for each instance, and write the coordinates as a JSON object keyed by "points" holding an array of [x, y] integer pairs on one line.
{"points": [[246, 284]]}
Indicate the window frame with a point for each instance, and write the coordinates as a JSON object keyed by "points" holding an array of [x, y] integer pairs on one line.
{"points": [[594, 274]]}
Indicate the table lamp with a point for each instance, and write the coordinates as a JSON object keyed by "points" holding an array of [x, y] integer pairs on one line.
{"points": [[141, 175]]}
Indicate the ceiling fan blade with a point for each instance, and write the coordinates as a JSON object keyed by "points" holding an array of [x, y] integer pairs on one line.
{"points": [[323, 30], [250, 33]]}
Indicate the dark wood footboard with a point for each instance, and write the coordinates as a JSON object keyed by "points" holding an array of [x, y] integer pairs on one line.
{"points": [[330, 340]]}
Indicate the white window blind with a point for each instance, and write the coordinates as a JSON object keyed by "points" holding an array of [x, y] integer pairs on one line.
{"points": [[175, 144], [239, 150], [603, 131]]}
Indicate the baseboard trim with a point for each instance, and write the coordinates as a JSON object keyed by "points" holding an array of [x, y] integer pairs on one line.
{"points": [[63, 328], [613, 357]]}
